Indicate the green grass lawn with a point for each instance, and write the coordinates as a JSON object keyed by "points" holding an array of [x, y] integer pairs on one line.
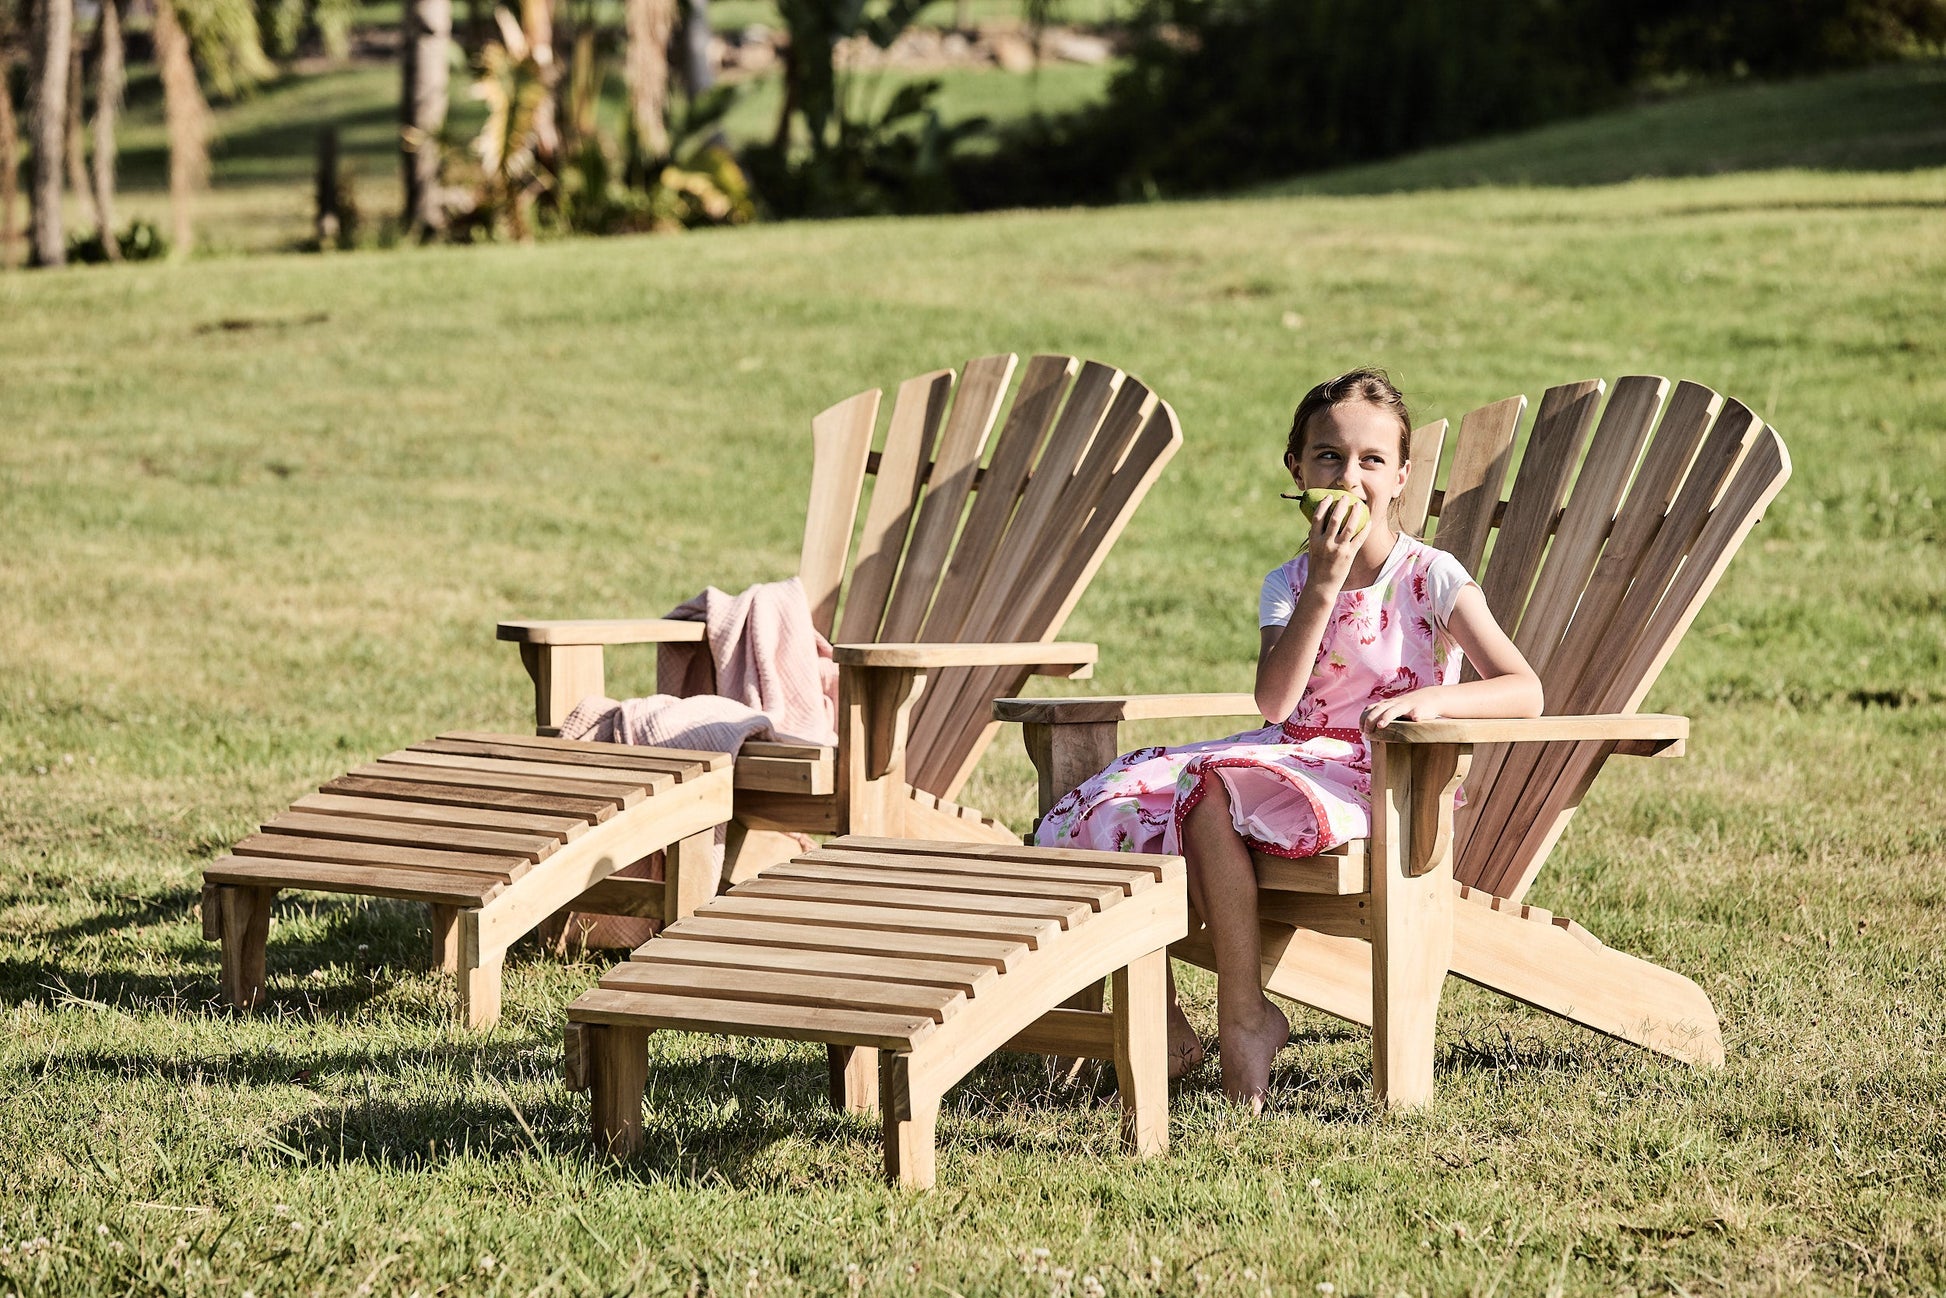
{"points": [[261, 513]]}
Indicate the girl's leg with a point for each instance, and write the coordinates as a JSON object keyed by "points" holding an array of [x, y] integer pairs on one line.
{"points": [[1250, 1030]]}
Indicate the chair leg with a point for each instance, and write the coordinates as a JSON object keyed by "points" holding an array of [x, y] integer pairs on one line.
{"points": [[1141, 1053], [243, 927], [478, 975], [445, 938], [911, 1123], [854, 1078], [1412, 932], [618, 1070]]}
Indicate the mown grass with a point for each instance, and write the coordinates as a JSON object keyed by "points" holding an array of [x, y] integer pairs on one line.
{"points": [[260, 515]]}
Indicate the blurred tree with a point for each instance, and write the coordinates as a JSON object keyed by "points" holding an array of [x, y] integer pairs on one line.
{"points": [[110, 80], [53, 32], [427, 43], [10, 25]]}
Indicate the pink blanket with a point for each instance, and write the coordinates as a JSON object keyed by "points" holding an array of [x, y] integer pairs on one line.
{"points": [[761, 672]]}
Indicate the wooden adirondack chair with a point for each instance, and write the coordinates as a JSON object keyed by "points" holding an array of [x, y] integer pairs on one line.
{"points": [[961, 577], [1596, 591]]}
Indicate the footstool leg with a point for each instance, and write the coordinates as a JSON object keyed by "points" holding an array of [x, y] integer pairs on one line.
{"points": [[854, 1078], [445, 938], [242, 926], [618, 1070], [1141, 1062], [478, 975], [911, 1121]]}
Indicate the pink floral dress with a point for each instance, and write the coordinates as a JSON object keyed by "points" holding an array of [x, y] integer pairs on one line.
{"points": [[1305, 785]]}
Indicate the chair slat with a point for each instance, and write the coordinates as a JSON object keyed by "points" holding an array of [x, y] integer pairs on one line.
{"points": [[909, 441], [589, 811], [1561, 425], [900, 897], [1422, 448], [1553, 448], [951, 761], [442, 887], [789, 1022], [614, 794], [527, 847], [620, 767], [957, 711], [1585, 646], [962, 976], [1002, 954], [562, 828], [987, 603], [298, 848], [597, 779], [1758, 479], [1045, 382], [1480, 461], [841, 438], [1095, 894], [1614, 672], [762, 987], [976, 405]]}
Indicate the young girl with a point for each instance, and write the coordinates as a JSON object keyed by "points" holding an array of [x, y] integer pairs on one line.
{"points": [[1364, 627]]}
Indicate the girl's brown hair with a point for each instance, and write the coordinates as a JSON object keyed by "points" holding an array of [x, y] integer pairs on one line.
{"points": [[1371, 386]]}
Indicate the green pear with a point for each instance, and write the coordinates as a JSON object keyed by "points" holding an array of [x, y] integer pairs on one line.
{"points": [[1314, 500]]}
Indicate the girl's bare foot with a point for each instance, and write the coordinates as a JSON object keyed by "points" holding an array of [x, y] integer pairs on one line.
{"points": [[1248, 1052], [1185, 1047]]}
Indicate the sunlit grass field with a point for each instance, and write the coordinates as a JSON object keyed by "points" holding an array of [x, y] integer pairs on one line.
{"points": [[260, 514]]}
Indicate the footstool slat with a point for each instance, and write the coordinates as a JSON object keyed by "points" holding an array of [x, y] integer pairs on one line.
{"points": [[796, 988], [434, 887], [999, 953], [508, 868], [495, 838], [626, 753], [446, 838], [1124, 879], [911, 920], [600, 776], [680, 768], [1005, 852], [1064, 913], [749, 1018], [956, 975], [458, 793], [560, 828], [614, 795], [821, 948], [1093, 895]]}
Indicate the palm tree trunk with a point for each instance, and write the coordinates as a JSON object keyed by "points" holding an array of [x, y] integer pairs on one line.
{"points": [[110, 78], [649, 25], [74, 149], [9, 160], [187, 116], [422, 110], [53, 34]]}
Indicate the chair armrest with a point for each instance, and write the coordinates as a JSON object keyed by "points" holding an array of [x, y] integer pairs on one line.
{"points": [[1052, 658], [600, 630], [1639, 734], [1134, 707]]}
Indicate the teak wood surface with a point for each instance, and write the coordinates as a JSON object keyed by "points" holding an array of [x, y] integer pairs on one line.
{"points": [[943, 562], [493, 832], [1619, 523], [912, 962]]}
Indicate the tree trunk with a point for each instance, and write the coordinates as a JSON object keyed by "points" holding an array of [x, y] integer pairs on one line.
{"points": [[53, 34], [649, 24], [9, 164], [187, 116], [699, 74], [422, 110], [110, 79], [74, 148]]}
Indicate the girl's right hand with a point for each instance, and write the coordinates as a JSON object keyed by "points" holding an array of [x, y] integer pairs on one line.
{"points": [[1333, 544]]}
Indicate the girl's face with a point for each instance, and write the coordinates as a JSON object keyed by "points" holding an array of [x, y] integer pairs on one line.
{"points": [[1353, 446]]}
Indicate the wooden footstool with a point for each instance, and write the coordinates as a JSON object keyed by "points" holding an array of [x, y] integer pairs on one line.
{"points": [[494, 832], [937, 954]]}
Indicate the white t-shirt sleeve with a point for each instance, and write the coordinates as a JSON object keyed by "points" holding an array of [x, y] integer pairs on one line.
{"points": [[1445, 579], [1279, 598]]}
